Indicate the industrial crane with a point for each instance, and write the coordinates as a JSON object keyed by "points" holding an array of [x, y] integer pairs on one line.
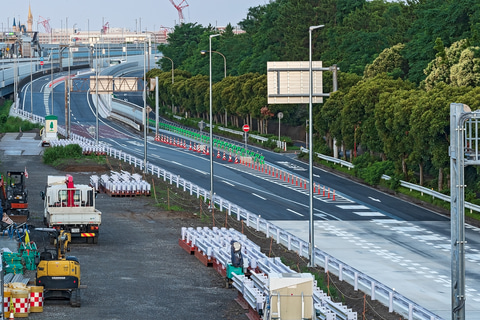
{"points": [[105, 28], [45, 23], [180, 8]]}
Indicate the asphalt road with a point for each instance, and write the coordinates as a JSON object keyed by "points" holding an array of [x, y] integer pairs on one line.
{"points": [[137, 270]]}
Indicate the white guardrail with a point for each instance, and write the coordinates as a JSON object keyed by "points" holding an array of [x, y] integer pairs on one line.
{"points": [[411, 186], [360, 281]]}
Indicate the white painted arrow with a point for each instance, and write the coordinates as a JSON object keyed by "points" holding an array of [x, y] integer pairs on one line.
{"points": [[374, 199]]}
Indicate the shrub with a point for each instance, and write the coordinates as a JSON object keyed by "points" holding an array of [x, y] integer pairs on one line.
{"points": [[53, 154]]}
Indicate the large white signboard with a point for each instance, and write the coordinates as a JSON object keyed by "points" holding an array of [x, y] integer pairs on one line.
{"points": [[288, 82]]}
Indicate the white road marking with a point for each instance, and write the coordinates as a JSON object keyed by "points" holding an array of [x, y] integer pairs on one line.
{"points": [[230, 184], [298, 214], [256, 195], [369, 214], [353, 207], [374, 199]]}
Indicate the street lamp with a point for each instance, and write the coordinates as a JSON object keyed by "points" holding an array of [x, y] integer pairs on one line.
{"points": [[156, 99], [203, 52], [310, 152], [212, 202]]}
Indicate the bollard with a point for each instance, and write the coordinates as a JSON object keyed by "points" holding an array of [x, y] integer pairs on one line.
{"points": [[333, 195], [328, 193]]}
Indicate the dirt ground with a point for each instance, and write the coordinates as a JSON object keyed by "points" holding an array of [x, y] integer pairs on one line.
{"points": [[194, 214]]}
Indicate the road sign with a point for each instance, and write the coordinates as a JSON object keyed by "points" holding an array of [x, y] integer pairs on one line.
{"points": [[246, 127], [41, 63]]}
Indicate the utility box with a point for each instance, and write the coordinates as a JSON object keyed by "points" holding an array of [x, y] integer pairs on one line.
{"points": [[49, 132], [291, 295]]}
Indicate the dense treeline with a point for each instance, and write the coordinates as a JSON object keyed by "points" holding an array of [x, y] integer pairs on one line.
{"points": [[401, 65]]}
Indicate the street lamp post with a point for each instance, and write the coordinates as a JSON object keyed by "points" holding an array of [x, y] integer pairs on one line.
{"points": [[311, 246], [173, 80], [203, 52], [145, 116], [212, 202]]}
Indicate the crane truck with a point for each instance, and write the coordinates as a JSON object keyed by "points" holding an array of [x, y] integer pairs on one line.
{"points": [[71, 208]]}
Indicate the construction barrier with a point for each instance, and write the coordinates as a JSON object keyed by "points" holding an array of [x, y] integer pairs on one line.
{"points": [[36, 299], [21, 300], [7, 295]]}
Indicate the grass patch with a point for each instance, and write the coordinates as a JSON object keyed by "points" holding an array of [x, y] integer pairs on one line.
{"points": [[14, 124]]}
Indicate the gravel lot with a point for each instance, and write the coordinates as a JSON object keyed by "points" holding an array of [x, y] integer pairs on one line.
{"points": [[137, 270]]}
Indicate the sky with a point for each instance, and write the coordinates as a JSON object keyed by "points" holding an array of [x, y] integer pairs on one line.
{"points": [[135, 15]]}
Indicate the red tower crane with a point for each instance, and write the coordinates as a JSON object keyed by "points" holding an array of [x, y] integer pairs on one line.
{"points": [[180, 8], [45, 23], [105, 28]]}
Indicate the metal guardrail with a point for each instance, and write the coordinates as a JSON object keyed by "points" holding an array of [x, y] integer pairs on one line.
{"points": [[378, 291], [411, 186]]}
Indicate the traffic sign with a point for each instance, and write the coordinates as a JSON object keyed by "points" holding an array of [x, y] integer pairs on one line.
{"points": [[246, 127], [41, 63]]}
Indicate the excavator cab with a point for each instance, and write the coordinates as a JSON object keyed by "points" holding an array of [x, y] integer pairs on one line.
{"points": [[14, 196]]}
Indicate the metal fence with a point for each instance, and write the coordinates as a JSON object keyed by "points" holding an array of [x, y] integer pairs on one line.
{"points": [[411, 186], [388, 296]]}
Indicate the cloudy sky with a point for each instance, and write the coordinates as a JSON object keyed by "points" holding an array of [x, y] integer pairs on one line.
{"points": [[130, 14]]}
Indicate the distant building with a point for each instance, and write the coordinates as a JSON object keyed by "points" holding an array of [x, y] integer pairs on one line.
{"points": [[112, 36]]}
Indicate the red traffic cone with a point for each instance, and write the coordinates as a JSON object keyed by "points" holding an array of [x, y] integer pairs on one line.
{"points": [[224, 158], [230, 158], [236, 159], [218, 154]]}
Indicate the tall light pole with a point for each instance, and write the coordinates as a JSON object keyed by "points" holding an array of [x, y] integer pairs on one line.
{"points": [[31, 83], [212, 202], [203, 52], [173, 80], [311, 246], [145, 116]]}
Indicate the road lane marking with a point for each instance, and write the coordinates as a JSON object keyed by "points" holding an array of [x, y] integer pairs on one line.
{"points": [[298, 214], [353, 207], [369, 214], [256, 195], [374, 199], [230, 184]]}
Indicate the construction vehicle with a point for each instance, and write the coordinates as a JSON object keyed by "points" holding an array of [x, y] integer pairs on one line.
{"points": [[14, 196], [71, 208], [57, 273]]}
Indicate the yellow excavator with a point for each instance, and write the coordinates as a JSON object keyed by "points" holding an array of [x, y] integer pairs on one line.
{"points": [[58, 273]]}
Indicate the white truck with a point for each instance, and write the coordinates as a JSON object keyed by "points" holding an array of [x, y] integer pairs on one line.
{"points": [[71, 208]]}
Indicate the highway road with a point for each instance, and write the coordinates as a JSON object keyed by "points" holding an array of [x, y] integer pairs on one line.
{"points": [[402, 245]]}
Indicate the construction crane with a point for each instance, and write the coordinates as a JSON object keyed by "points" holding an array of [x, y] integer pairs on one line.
{"points": [[45, 23], [105, 28], [180, 8]]}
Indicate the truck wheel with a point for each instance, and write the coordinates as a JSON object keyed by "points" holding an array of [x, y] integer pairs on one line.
{"points": [[89, 240], [95, 239]]}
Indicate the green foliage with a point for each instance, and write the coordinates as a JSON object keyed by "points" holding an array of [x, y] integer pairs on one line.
{"points": [[373, 173], [52, 154], [270, 144]]}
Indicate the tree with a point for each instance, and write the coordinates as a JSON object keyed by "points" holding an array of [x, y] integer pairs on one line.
{"points": [[390, 61]]}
